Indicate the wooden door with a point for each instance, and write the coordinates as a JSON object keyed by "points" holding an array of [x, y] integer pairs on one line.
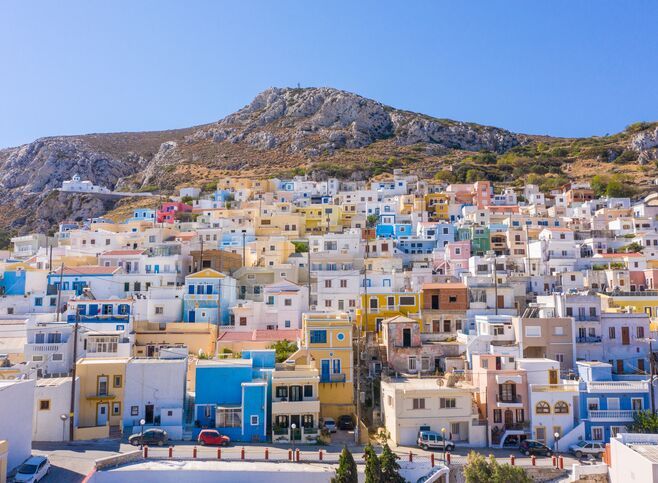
{"points": [[625, 336]]}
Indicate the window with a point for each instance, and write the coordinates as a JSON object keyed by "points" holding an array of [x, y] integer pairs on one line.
{"points": [[611, 332], [407, 301], [327, 284], [561, 407], [533, 331], [447, 403], [38, 301], [282, 391], [116, 408], [229, 417], [318, 336], [543, 407], [243, 321], [412, 363], [44, 405], [134, 410], [498, 416], [520, 415], [640, 332], [418, 403], [559, 357], [58, 357], [343, 284], [452, 299], [308, 390], [425, 363], [307, 420], [592, 404], [102, 386], [159, 310], [287, 302], [116, 381], [614, 430], [558, 330], [597, 433], [254, 420]]}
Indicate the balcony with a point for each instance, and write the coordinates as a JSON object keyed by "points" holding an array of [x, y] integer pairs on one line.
{"points": [[296, 407], [612, 415], [586, 318], [330, 378], [509, 401], [48, 347], [592, 339]]}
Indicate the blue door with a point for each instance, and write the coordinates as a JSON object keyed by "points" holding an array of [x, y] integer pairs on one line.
{"points": [[324, 376], [192, 316]]}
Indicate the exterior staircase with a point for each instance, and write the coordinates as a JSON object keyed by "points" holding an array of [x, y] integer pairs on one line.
{"points": [[115, 432]]}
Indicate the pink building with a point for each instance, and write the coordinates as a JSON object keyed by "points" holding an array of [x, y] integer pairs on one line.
{"points": [[456, 256], [168, 211], [502, 396]]}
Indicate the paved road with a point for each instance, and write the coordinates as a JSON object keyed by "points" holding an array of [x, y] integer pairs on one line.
{"points": [[71, 463]]}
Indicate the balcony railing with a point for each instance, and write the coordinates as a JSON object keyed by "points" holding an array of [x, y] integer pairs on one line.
{"points": [[332, 378], [47, 347], [588, 339], [618, 386], [586, 318], [509, 399], [613, 414]]}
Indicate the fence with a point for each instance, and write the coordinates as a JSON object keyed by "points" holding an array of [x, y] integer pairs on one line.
{"points": [[264, 453]]}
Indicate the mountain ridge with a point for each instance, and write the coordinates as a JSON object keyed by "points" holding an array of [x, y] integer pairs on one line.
{"points": [[321, 130]]}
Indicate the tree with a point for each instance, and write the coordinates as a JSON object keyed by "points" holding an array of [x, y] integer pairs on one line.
{"points": [[479, 469], [346, 471], [283, 349], [645, 422], [373, 465], [300, 246], [372, 220], [390, 467]]}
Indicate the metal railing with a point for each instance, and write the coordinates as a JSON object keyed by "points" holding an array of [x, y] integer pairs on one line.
{"points": [[332, 378], [507, 399], [588, 339]]}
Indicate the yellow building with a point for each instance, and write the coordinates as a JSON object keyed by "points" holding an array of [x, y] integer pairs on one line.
{"points": [[151, 337], [326, 345], [437, 206], [102, 382], [638, 302], [386, 305], [322, 218]]}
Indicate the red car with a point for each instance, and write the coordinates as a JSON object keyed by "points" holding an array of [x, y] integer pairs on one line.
{"points": [[212, 437]]}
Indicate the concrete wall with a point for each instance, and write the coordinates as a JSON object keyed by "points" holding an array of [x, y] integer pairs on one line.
{"points": [[47, 424], [16, 408]]}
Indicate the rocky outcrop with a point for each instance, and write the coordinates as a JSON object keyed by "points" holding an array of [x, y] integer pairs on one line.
{"points": [[646, 144]]}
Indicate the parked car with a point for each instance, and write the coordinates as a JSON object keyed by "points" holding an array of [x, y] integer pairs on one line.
{"points": [[432, 439], [212, 437], [34, 469], [150, 437], [329, 424], [587, 448], [346, 422], [530, 446]]}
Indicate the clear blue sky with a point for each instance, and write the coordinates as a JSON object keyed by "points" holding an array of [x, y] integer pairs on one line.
{"points": [[568, 68]]}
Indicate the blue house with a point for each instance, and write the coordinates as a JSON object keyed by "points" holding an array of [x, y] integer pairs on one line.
{"points": [[608, 403], [234, 396], [209, 295], [142, 214], [79, 277]]}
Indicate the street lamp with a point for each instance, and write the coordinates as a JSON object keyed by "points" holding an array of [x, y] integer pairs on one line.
{"points": [[443, 435], [293, 426], [63, 417], [557, 443], [142, 422]]}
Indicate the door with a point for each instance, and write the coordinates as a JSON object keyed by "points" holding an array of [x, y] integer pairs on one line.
{"points": [[500, 301], [620, 366], [509, 417], [435, 302], [613, 403], [148, 413], [625, 336], [540, 432], [324, 376], [406, 337], [101, 414], [150, 351], [295, 434], [192, 316]]}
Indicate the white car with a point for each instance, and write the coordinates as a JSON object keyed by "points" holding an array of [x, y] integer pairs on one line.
{"points": [[34, 469], [329, 424], [583, 448]]}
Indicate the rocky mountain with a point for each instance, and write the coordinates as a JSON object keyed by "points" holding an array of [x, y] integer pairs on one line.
{"points": [[321, 131]]}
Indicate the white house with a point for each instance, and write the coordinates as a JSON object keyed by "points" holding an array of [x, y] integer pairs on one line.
{"points": [[16, 408], [633, 458], [76, 185], [155, 391], [412, 405], [52, 400]]}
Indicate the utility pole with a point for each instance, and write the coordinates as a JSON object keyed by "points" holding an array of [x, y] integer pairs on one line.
{"points": [[308, 263], [358, 342], [201, 261], [50, 258], [495, 276], [73, 374], [59, 288], [653, 371], [244, 249]]}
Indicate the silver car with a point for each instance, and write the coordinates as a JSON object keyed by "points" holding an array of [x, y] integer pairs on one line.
{"points": [[584, 448]]}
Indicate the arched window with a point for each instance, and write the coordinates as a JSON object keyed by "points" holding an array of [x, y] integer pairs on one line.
{"points": [[561, 408], [543, 407]]}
